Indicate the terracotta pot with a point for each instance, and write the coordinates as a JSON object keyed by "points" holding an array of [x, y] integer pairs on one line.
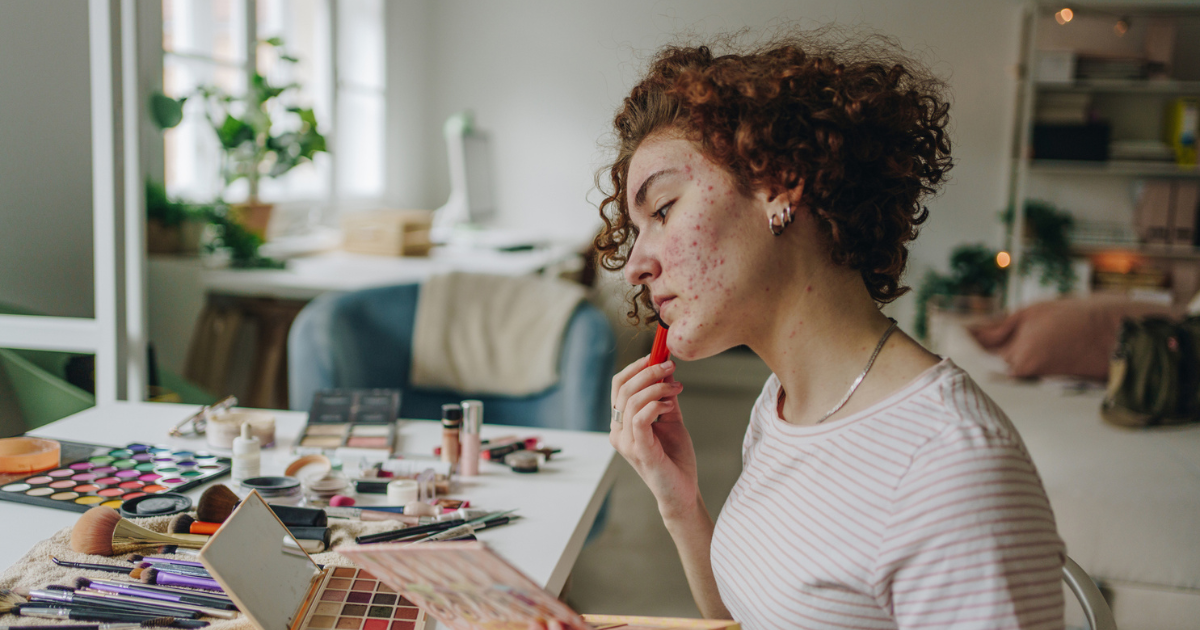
{"points": [[255, 217], [161, 239]]}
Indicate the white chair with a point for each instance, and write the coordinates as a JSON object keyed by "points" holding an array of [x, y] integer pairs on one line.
{"points": [[1099, 615]]}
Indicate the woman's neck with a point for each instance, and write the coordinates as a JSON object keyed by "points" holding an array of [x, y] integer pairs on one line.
{"points": [[819, 339]]}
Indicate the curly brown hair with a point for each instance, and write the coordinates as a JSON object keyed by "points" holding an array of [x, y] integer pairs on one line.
{"points": [[863, 127]]}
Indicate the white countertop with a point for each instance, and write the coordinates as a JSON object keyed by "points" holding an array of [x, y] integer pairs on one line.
{"points": [[557, 505]]}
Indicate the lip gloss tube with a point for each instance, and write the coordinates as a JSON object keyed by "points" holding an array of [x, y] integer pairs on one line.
{"points": [[468, 466]]}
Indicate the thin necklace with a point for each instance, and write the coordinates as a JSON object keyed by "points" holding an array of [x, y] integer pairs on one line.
{"points": [[858, 381]]}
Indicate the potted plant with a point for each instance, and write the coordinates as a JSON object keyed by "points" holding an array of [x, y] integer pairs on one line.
{"points": [[972, 287], [259, 136], [1048, 252]]}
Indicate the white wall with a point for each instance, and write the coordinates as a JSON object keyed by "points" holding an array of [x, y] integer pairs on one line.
{"points": [[45, 157], [545, 77]]}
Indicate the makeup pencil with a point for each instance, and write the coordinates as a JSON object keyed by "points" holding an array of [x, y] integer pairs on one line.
{"points": [[169, 594], [408, 532]]}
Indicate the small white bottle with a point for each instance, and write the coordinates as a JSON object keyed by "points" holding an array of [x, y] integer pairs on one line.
{"points": [[247, 456]]}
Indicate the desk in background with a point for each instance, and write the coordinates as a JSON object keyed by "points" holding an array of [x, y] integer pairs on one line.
{"points": [[181, 291], [557, 506]]}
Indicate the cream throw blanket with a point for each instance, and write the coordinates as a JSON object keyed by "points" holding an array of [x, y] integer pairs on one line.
{"points": [[484, 334]]}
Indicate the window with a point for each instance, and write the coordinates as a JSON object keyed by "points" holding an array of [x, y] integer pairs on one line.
{"points": [[340, 70]]}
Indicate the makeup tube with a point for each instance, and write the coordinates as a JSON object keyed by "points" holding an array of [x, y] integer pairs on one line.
{"points": [[452, 415], [472, 422]]}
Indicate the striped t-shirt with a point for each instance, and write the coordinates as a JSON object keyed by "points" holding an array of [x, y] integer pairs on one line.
{"points": [[924, 511]]}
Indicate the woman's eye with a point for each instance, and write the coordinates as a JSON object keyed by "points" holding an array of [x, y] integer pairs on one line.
{"points": [[661, 213]]}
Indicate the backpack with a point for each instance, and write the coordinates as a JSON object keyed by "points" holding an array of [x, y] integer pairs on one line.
{"points": [[1154, 376]]}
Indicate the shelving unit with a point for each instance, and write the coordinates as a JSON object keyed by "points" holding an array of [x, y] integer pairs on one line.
{"points": [[1135, 109]]}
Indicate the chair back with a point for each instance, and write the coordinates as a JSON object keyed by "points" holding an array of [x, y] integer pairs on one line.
{"points": [[364, 339], [1095, 608]]}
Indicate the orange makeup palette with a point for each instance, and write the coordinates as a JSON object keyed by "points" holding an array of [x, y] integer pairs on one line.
{"points": [[89, 475], [278, 586]]}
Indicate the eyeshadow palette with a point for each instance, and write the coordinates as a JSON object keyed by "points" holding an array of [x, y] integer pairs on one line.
{"points": [[89, 475], [287, 590], [356, 600], [352, 418]]}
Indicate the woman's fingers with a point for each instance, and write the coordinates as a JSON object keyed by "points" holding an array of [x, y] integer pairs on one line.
{"points": [[641, 381], [641, 429], [624, 375]]}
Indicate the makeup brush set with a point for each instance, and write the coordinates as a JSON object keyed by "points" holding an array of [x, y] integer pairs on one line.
{"points": [[153, 600]]}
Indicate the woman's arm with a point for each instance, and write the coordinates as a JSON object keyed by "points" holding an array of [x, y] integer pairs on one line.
{"points": [[692, 532], [652, 438]]}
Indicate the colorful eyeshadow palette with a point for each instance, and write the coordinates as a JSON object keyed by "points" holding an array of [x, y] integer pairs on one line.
{"points": [[353, 418], [103, 475], [288, 590]]}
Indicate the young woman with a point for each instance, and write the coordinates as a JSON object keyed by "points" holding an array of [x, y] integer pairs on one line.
{"points": [[767, 199]]}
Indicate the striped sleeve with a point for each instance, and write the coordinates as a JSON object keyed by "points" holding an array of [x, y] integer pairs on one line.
{"points": [[971, 541]]}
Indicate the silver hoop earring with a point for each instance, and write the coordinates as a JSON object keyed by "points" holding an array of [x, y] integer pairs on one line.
{"points": [[777, 223]]}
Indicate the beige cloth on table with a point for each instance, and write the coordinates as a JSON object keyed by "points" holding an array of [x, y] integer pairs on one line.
{"points": [[485, 334], [36, 570]]}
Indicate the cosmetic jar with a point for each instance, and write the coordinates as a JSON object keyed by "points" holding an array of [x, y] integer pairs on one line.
{"points": [[281, 490], [402, 491], [223, 427], [523, 461]]}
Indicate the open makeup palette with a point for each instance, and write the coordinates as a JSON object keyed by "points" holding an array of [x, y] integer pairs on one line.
{"points": [[466, 586], [279, 587], [354, 418], [89, 475]]}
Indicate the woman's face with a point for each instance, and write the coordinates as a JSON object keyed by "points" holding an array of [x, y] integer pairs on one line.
{"points": [[703, 248]]}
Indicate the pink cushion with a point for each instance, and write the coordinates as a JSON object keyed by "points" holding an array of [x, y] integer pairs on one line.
{"points": [[1068, 337]]}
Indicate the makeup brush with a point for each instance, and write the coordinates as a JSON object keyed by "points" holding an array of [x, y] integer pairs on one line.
{"points": [[216, 504], [154, 576], [157, 622], [99, 590], [92, 614], [9, 600], [90, 566], [101, 531], [65, 595], [166, 593], [138, 559], [181, 524], [177, 569]]}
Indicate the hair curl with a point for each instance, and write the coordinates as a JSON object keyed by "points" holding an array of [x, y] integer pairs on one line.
{"points": [[862, 127]]}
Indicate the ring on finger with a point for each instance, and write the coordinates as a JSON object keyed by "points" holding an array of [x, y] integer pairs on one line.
{"points": [[616, 415]]}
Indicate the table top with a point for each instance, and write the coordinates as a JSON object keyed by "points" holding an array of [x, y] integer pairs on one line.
{"points": [[309, 276], [557, 505]]}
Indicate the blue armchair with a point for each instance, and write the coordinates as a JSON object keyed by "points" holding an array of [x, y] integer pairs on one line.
{"points": [[364, 339]]}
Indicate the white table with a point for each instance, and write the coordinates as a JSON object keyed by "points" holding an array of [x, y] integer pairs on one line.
{"points": [[557, 505]]}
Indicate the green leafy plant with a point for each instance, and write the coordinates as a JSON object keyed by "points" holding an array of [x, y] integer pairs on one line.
{"points": [[159, 207], [233, 237], [973, 272], [255, 144], [1049, 250]]}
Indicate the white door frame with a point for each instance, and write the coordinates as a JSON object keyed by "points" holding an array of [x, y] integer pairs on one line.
{"points": [[117, 334]]}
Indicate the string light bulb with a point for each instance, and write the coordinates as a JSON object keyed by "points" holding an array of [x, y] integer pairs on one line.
{"points": [[1003, 260], [1064, 15], [1121, 27]]}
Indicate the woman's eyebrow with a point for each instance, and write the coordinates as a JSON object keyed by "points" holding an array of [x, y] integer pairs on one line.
{"points": [[640, 197]]}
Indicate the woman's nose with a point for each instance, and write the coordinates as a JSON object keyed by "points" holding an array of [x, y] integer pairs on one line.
{"points": [[642, 266]]}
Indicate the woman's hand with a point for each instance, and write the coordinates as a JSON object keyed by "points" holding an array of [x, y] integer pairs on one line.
{"points": [[661, 452]]}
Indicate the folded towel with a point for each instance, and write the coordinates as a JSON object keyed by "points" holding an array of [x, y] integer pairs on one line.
{"points": [[485, 334]]}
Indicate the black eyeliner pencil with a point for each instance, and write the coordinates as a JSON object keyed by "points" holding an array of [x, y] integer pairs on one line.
{"points": [[91, 566], [409, 532]]}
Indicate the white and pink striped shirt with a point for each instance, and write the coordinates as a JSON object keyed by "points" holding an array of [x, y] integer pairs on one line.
{"points": [[924, 511]]}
